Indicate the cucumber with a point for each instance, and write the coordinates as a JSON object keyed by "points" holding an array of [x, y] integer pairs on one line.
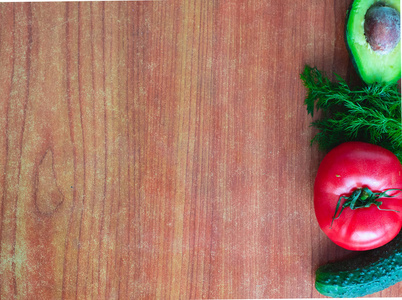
{"points": [[369, 272]]}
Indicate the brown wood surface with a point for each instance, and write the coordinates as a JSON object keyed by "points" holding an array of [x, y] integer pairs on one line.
{"points": [[160, 150]]}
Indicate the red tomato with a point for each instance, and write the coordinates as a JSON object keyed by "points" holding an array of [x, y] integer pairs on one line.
{"points": [[344, 172]]}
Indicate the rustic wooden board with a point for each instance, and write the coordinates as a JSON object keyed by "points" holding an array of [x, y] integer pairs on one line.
{"points": [[160, 150]]}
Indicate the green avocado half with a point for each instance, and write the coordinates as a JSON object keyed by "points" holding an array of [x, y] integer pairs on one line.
{"points": [[371, 64]]}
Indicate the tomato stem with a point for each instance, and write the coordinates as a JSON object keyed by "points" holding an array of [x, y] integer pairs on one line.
{"points": [[361, 198]]}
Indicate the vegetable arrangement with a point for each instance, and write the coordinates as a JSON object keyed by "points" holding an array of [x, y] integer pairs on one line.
{"points": [[358, 187]]}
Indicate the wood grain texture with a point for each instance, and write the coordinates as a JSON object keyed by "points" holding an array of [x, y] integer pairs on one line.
{"points": [[160, 150]]}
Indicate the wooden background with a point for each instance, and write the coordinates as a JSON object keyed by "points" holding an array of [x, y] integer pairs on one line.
{"points": [[160, 150]]}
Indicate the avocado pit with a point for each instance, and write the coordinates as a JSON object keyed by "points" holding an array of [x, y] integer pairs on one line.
{"points": [[382, 28]]}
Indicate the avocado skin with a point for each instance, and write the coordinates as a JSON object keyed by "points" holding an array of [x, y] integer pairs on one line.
{"points": [[362, 76], [370, 272], [347, 44]]}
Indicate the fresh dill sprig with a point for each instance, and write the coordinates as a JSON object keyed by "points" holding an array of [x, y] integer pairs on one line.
{"points": [[369, 114]]}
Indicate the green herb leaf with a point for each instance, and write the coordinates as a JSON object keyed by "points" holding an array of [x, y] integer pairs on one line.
{"points": [[370, 114]]}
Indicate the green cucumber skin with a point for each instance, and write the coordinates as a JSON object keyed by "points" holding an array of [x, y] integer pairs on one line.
{"points": [[370, 272]]}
